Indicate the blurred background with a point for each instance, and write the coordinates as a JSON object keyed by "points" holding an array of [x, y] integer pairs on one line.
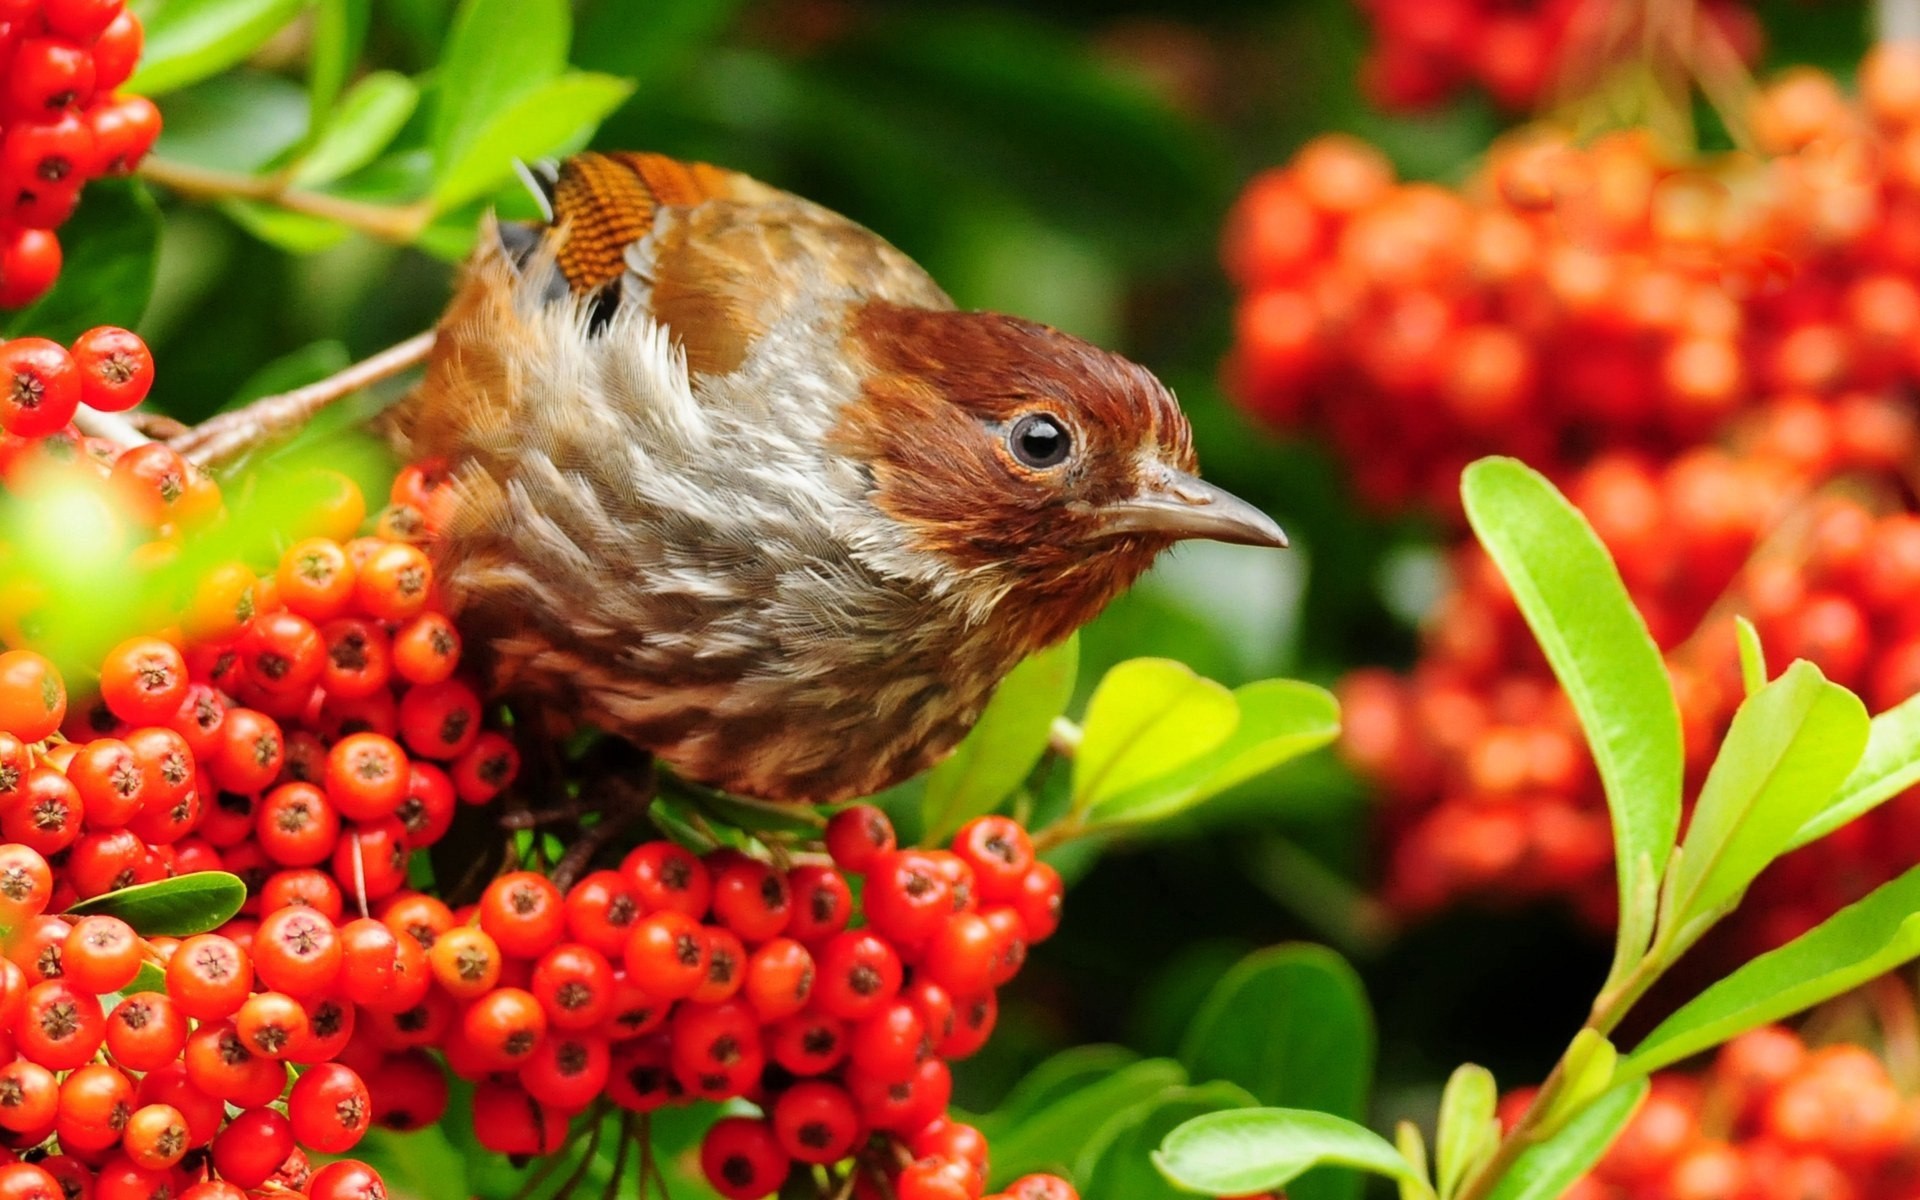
{"points": [[1073, 161]]}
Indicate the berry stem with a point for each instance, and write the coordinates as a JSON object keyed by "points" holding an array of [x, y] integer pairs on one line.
{"points": [[386, 222], [111, 426]]}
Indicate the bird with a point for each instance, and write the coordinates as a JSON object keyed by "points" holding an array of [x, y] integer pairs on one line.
{"points": [[734, 480]]}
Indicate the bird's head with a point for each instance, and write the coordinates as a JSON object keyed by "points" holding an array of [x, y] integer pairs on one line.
{"points": [[1043, 472]]}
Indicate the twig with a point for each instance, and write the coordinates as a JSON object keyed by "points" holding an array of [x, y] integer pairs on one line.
{"points": [[273, 417], [111, 426], [620, 1160], [1063, 737], [387, 222]]}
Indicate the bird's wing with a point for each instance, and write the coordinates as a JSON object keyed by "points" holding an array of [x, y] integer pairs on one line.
{"points": [[716, 257]]}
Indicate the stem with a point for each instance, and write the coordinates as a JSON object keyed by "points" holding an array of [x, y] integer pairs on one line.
{"points": [[111, 426], [1608, 1010], [620, 1159], [387, 222], [1063, 738]]}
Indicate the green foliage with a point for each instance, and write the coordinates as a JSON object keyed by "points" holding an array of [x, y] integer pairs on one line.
{"points": [[1791, 745], [1044, 1130], [364, 123], [1867, 938], [1004, 746], [189, 40], [1571, 595], [1467, 1129], [1252, 1150], [1118, 1158], [1546, 1170], [1888, 766], [1292, 1026], [177, 907]]}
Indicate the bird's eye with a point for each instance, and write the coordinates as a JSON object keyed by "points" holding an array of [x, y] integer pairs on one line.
{"points": [[1040, 441]]}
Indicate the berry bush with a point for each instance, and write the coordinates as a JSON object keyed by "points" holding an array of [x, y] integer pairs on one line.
{"points": [[1588, 394]]}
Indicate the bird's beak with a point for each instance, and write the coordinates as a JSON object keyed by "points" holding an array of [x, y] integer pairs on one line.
{"points": [[1178, 505]]}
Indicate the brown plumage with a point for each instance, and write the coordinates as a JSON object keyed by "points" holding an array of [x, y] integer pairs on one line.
{"points": [[738, 483]]}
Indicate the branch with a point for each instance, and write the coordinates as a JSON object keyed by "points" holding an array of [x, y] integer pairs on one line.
{"points": [[387, 222]]}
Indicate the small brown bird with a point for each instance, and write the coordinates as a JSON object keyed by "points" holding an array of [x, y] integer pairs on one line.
{"points": [[737, 482]]}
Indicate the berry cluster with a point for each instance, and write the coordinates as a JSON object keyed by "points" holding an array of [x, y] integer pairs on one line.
{"points": [[306, 729], [840, 1035], [1771, 1117], [43, 384], [1574, 299], [1425, 51], [61, 123]]}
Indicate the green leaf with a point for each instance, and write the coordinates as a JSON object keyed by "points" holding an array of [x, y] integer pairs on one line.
{"points": [[148, 978], [1005, 743], [1291, 1025], [177, 907], [365, 122], [296, 233], [557, 116], [1545, 1171], [1889, 765], [1057, 1077], [1118, 1159], [1413, 1148], [1148, 718], [1590, 1064], [189, 40], [1050, 1137], [1753, 658], [1467, 1131], [1571, 595], [1253, 1150], [112, 245], [1863, 940], [498, 52], [1280, 720], [339, 31], [1791, 744]]}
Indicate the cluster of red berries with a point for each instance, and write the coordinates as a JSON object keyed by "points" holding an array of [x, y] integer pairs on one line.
{"points": [[43, 384], [1575, 299], [1770, 1119], [840, 1035], [61, 123], [1426, 51]]}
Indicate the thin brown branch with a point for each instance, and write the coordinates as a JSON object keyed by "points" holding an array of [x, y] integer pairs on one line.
{"points": [[392, 223]]}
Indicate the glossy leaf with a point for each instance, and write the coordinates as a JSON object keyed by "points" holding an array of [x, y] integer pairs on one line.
{"points": [[1048, 1138], [1571, 594], [554, 118], [1280, 719], [1057, 1077], [112, 245], [1467, 1129], [363, 124], [1888, 766], [189, 40], [1863, 940], [1547, 1169], [1148, 718], [498, 53], [177, 907], [1292, 1026], [1590, 1065], [1254, 1150], [1791, 745], [1005, 743], [339, 32], [1118, 1159]]}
